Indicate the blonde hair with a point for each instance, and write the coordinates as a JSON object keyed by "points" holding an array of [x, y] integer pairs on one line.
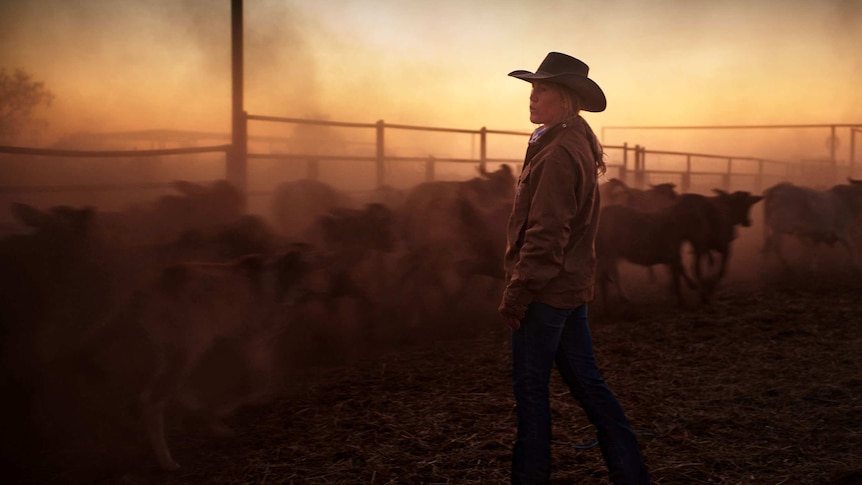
{"points": [[571, 109]]}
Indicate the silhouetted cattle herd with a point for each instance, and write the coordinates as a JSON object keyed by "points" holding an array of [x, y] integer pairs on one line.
{"points": [[123, 308]]}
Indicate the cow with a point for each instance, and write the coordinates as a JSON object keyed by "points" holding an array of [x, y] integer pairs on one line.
{"points": [[652, 199], [430, 206], [358, 243], [709, 224], [642, 238], [656, 197], [161, 335], [442, 239], [196, 206], [51, 285], [813, 216], [298, 204]]}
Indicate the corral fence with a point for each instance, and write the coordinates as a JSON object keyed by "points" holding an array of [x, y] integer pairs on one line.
{"points": [[636, 165], [694, 172]]}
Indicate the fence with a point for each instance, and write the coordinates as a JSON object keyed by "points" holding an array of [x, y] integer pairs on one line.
{"points": [[813, 170], [635, 165]]}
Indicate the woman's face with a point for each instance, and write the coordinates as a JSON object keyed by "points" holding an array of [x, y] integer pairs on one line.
{"points": [[546, 103]]}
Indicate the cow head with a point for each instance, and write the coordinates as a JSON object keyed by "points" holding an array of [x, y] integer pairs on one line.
{"points": [[614, 192], [63, 225], [738, 205], [500, 182], [666, 191]]}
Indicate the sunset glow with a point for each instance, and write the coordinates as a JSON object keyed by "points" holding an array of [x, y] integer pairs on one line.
{"points": [[123, 65]]}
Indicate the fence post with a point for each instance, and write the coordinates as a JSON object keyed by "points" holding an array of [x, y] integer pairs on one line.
{"points": [[483, 149], [686, 176], [236, 171], [853, 132], [727, 175], [429, 169], [312, 169], [625, 167], [758, 179], [640, 176], [381, 157]]}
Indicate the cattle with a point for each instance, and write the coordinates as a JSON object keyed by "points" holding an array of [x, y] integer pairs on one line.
{"points": [[50, 273], [656, 197], [197, 206], [452, 231], [247, 234], [709, 224], [358, 242], [430, 206], [642, 238], [297, 205], [813, 216], [51, 285], [160, 336]]}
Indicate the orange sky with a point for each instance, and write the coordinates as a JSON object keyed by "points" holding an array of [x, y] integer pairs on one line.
{"points": [[120, 65]]}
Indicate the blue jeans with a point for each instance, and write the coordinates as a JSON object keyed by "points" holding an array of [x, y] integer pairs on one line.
{"points": [[548, 335]]}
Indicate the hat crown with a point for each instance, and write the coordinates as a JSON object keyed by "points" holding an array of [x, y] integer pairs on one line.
{"points": [[557, 63]]}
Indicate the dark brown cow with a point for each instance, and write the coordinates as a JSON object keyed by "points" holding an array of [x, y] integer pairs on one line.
{"points": [[163, 220], [642, 238], [297, 205], [430, 207], [160, 337], [656, 197], [710, 225], [813, 216], [357, 241], [452, 231], [50, 287]]}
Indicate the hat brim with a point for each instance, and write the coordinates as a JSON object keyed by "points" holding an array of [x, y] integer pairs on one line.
{"points": [[592, 97]]}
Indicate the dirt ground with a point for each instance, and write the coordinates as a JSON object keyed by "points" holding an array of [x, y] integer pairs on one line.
{"points": [[762, 386]]}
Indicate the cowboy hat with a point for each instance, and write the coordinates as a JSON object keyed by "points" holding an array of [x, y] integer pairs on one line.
{"points": [[570, 72]]}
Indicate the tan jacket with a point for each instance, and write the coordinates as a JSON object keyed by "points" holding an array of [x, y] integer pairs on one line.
{"points": [[551, 257]]}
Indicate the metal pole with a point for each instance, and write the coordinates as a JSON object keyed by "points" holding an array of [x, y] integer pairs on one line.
{"points": [[236, 162], [381, 153], [483, 148]]}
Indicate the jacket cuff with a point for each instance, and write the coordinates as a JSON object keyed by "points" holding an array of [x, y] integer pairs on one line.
{"points": [[515, 302]]}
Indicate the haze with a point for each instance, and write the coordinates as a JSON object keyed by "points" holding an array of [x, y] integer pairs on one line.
{"points": [[130, 65]]}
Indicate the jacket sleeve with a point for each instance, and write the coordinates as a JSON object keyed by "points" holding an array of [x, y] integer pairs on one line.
{"points": [[552, 181]]}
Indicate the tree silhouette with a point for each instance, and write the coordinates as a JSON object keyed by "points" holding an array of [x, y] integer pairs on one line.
{"points": [[20, 95]]}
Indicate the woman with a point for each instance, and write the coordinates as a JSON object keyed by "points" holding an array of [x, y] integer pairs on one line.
{"points": [[550, 274]]}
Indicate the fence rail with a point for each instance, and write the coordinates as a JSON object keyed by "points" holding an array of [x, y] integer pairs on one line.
{"points": [[635, 165]]}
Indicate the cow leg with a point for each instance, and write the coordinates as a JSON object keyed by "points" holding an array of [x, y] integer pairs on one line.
{"points": [[154, 399], [773, 245], [677, 272], [676, 289], [710, 285], [697, 270], [614, 274], [851, 251]]}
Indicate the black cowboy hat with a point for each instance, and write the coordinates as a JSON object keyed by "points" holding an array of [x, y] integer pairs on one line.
{"points": [[572, 73]]}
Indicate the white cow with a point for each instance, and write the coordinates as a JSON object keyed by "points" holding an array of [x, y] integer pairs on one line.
{"points": [[813, 216]]}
